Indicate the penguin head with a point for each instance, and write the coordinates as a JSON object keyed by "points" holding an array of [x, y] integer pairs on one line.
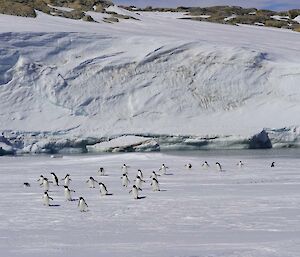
{"points": [[139, 170], [138, 177], [45, 193], [52, 173], [100, 183], [134, 186], [124, 174], [46, 179], [80, 198], [91, 178]]}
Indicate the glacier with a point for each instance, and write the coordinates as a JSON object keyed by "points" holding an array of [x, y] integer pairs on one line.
{"points": [[68, 85]]}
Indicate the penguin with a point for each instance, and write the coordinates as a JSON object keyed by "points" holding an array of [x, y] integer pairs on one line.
{"points": [[140, 174], [125, 180], [55, 179], [125, 169], [163, 169], [240, 164], [103, 190], [154, 175], [135, 192], [46, 199], [155, 185], [101, 171], [205, 165], [67, 180], [26, 184], [138, 182], [91, 181], [188, 166], [45, 184], [41, 178], [219, 166], [82, 204], [67, 192], [272, 164]]}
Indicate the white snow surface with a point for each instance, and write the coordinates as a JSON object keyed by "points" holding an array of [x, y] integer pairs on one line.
{"points": [[253, 211], [158, 74]]}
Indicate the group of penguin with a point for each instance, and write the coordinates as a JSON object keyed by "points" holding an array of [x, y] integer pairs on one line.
{"points": [[45, 183], [139, 180]]}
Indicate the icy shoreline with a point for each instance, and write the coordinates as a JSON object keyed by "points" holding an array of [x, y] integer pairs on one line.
{"points": [[58, 143]]}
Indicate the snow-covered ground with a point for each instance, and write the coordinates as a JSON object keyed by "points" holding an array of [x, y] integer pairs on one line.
{"points": [[252, 211], [155, 75]]}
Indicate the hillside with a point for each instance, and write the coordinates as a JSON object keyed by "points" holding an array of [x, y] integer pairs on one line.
{"points": [[187, 84]]}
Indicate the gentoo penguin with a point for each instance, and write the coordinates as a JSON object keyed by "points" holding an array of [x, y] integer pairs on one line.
{"points": [[163, 169], [155, 185], [125, 180], [46, 199], [188, 166], [82, 204], [154, 175], [140, 174], [272, 164], [45, 184], [91, 181], [55, 179], [101, 171], [219, 166], [205, 165], [135, 192], [125, 169], [103, 190], [67, 180], [138, 182], [26, 184], [240, 164], [67, 192]]}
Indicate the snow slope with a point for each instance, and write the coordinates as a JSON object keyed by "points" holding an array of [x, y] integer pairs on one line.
{"points": [[155, 75], [253, 211]]}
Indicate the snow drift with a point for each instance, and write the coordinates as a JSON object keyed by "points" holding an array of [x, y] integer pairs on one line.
{"points": [[155, 76]]}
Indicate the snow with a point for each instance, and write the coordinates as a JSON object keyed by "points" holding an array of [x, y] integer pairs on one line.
{"points": [[156, 75], [252, 211], [233, 16], [297, 19], [64, 9], [280, 18]]}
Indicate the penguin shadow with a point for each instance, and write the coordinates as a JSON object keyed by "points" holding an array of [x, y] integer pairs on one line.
{"points": [[162, 190], [141, 197], [105, 175], [169, 174], [74, 200], [109, 194], [54, 205]]}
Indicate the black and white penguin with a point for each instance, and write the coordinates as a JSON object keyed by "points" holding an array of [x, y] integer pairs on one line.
{"points": [[26, 184], [125, 180], [67, 180], [46, 199], [140, 174], [45, 184], [155, 185], [41, 179], [55, 179], [188, 165], [272, 164], [82, 204], [125, 169], [138, 182], [219, 166], [101, 171], [205, 165], [67, 192], [135, 192], [163, 169], [91, 181], [154, 175], [103, 190], [240, 164]]}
